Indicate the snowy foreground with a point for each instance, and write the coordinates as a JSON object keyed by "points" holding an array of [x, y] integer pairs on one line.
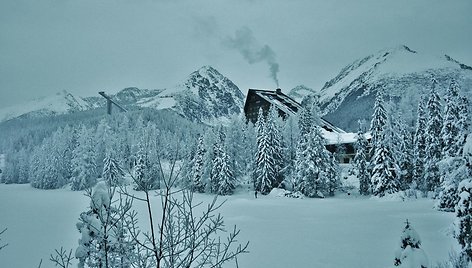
{"points": [[345, 231]]}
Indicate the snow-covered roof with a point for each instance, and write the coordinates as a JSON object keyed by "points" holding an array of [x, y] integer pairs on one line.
{"points": [[289, 106]]}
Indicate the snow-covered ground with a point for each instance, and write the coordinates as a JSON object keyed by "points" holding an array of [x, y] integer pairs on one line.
{"points": [[344, 231]]}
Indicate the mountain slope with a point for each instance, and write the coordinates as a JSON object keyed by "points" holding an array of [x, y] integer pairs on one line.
{"points": [[60, 103], [401, 72], [206, 96]]}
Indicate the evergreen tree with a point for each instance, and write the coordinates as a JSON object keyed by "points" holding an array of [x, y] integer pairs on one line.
{"points": [[332, 175], [454, 170], [410, 254], [384, 169], [112, 171], [464, 218], [276, 142], [84, 173], [360, 162], [433, 140], [379, 120], [311, 158], [419, 144], [450, 128], [384, 180], [226, 180], [216, 167], [197, 169], [265, 173]]}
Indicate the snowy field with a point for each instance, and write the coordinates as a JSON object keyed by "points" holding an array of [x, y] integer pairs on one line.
{"points": [[345, 231]]}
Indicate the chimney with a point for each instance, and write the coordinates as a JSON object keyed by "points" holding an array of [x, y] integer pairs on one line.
{"points": [[278, 91]]}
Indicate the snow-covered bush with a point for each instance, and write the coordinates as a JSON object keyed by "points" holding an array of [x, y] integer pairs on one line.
{"points": [[410, 254]]}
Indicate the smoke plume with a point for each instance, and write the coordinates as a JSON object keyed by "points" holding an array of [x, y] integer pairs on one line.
{"points": [[245, 42]]}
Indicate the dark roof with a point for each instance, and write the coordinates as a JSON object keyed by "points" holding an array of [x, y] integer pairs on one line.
{"points": [[286, 104]]}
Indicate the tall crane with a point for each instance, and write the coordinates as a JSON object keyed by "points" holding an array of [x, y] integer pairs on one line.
{"points": [[110, 102]]}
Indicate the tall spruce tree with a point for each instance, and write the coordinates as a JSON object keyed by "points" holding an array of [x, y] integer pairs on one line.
{"points": [[378, 122], [312, 159], [361, 164], [450, 128], [433, 140], [196, 175], [384, 169], [265, 172], [419, 144], [112, 171], [276, 142], [84, 169]]}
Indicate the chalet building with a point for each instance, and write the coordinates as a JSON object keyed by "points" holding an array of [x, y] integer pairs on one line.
{"points": [[337, 139]]}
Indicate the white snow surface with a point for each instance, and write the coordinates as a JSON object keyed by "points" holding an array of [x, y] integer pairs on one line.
{"points": [[344, 231], [396, 61]]}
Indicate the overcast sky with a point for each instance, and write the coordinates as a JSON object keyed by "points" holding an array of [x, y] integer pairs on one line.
{"points": [[84, 46]]}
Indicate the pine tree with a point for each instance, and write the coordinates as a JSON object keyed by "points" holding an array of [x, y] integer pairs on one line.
{"points": [[433, 141], [276, 142], [265, 173], [410, 254], [419, 144], [197, 169], [332, 175], [84, 173], [464, 218], [226, 181], [112, 171], [450, 128], [360, 162], [379, 120], [311, 158], [384, 180], [216, 167], [454, 170]]}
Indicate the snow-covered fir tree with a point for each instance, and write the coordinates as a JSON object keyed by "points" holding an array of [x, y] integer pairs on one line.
{"points": [[361, 164], [384, 177], [196, 175], [276, 141], [384, 180], [433, 140], [332, 174], [112, 171], [226, 180], [222, 180], [464, 219], [450, 128], [378, 122], [311, 158], [265, 171], [144, 180], [454, 170], [290, 133], [419, 144], [84, 170], [410, 254]]}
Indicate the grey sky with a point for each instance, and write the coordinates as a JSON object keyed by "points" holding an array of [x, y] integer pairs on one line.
{"points": [[84, 46]]}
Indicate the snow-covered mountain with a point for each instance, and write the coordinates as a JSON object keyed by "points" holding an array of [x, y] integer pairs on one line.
{"points": [[299, 92], [205, 96], [60, 103], [401, 72]]}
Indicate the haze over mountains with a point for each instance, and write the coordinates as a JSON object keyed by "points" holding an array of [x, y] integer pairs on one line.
{"points": [[207, 96]]}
